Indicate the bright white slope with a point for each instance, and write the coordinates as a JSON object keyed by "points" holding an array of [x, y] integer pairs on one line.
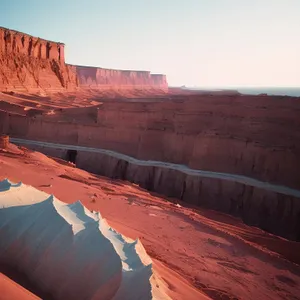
{"points": [[70, 252]]}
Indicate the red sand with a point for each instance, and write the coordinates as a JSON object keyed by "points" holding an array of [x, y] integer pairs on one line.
{"points": [[10, 290], [195, 251]]}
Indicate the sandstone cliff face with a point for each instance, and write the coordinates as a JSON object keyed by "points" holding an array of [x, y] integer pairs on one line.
{"points": [[253, 136], [29, 63], [211, 133], [271, 211], [92, 77], [14, 42], [247, 135]]}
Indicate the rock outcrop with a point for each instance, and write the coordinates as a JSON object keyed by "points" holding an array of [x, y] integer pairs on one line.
{"points": [[32, 64], [29, 63]]}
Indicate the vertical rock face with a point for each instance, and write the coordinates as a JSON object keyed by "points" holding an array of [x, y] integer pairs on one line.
{"points": [[159, 80], [14, 42], [92, 77], [254, 136], [29, 63]]}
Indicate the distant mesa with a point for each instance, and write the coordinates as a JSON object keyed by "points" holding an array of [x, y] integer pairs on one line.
{"points": [[30, 63]]}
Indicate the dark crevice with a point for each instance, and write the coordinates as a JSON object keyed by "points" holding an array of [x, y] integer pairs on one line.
{"points": [[48, 47], [183, 190], [30, 47], [59, 53], [71, 156], [57, 71]]}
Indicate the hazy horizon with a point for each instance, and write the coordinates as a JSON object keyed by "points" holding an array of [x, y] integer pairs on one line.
{"points": [[195, 43]]}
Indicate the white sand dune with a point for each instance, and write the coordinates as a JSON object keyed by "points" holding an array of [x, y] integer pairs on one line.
{"points": [[70, 252]]}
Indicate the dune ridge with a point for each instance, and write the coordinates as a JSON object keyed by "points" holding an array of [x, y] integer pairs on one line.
{"points": [[69, 251]]}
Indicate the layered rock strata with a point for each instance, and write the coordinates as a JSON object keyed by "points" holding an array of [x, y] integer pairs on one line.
{"points": [[273, 208], [93, 78], [33, 64], [253, 136]]}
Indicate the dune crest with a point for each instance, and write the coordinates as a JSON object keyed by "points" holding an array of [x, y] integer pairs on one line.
{"points": [[69, 251]]}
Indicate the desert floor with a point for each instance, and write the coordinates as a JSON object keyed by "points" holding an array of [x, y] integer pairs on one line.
{"points": [[200, 253]]}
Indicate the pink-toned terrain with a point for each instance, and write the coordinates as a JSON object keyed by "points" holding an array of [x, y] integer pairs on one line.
{"points": [[196, 251], [253, 136], [256, 136], [200, 253]]}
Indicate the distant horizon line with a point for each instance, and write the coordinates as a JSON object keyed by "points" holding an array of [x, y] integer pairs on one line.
{"points": [[237, 86]]}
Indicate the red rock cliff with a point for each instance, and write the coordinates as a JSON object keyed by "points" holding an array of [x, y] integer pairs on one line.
{"points": [[92, 77], [29, 63]]}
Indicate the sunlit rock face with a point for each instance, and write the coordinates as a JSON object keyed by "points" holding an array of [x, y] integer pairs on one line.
{"points": [[93, 77], [32, 64], [68, 251]]}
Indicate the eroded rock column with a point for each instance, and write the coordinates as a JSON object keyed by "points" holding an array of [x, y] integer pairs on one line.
{"points": [[4, 141]]}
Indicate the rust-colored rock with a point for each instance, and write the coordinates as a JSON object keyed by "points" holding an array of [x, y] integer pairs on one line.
{"points": [[4, 141], [255, 136], [32, 64], [29, 63], [271, 208], [92, 77]]}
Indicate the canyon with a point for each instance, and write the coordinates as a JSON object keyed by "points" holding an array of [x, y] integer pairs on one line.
{"points": [[268, 206], [222, 132], [230, 157], [255, 136]]}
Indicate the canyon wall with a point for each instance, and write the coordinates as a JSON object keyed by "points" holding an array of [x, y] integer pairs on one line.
{"points": [[255, 136], [93, 78], [252, 136], [14, 42], [275, 210], [33, 64]]}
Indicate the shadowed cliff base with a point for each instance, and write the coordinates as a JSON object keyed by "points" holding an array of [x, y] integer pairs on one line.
{"points": [[273, 208]]}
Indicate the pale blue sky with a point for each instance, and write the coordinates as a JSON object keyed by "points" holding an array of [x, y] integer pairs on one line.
{"points": [[193, 42]]}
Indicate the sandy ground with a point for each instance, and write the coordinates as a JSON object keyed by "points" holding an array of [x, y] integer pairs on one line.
{"points": [[10, 290], [196, 251]]}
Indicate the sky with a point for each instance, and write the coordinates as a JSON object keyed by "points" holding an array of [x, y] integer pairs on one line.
{"points": [[207, 43]]}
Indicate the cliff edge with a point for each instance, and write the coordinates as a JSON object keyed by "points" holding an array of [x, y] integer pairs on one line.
{"points": [[31, 64]]}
